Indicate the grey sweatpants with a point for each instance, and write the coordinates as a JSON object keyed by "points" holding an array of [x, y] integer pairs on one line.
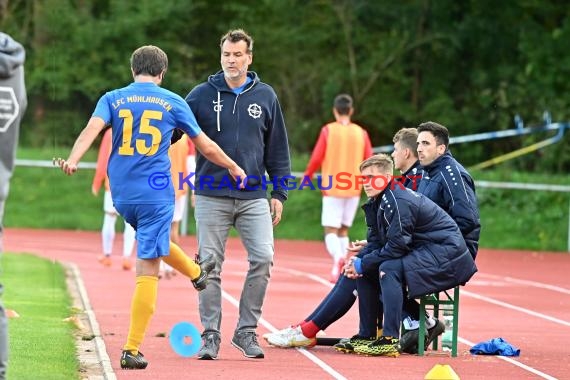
{"points": [[3, 340], [4, 187], [3, 318], [214, 218], [14, 101]]}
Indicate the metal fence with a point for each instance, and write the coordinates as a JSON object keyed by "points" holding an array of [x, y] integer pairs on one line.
{"points": [[479, 184]]}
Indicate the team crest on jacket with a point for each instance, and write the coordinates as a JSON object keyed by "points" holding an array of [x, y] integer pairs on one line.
{"points": [[254, 111]]}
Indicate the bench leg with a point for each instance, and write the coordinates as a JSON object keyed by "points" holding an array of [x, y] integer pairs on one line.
{"points": [[455, 322], [422, 330]]}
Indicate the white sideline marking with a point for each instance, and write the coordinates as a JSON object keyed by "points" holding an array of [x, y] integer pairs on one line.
{"points": [[512, 361], [108, 372], [495, 284], [471, 294], [513, 307], [310, 276], [307, 354], [535, 284]]}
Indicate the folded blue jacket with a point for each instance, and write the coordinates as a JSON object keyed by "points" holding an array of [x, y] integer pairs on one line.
{"points": [[495, 346]]}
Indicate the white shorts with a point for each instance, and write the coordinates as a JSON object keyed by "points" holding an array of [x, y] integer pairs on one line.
{"points": [[179, 207], [191, 167], [108, 204], [338, 211]]}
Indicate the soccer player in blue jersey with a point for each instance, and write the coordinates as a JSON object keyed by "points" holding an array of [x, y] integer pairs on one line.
{"points": [[142, 117]]}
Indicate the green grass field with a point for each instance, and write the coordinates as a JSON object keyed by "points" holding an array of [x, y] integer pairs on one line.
{"points": [[515, 219], [42, 345]]}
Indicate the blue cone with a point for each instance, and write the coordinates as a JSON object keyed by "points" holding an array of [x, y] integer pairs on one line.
{"points": [[178, 335]]}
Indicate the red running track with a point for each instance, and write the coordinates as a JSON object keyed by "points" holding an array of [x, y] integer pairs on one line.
{"points": [[523, 297]]}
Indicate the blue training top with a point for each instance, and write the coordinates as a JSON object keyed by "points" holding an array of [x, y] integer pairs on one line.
{"points": [[143, 116]]}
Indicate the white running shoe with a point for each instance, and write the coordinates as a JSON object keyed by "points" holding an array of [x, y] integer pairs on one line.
{"points": [[280, 332], [289, 337]]}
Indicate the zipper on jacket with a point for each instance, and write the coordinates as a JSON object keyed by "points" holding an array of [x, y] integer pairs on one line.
{"points": [[237, 116]]}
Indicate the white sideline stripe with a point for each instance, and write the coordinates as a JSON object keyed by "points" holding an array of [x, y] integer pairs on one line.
{"points": [[536, 284], [313, 277], [307, 354], [462, 340], [108, 372], [512, 361], [513, 307]]}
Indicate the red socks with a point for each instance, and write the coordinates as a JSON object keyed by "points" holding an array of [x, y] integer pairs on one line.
{"points": [[309, 329]]}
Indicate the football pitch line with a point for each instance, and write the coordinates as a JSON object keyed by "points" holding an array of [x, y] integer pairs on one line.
{"points": [[331, 371], [514, 362], [473, 295], [519, 281]]}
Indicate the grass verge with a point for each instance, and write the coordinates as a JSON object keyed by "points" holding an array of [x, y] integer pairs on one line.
{"points": [[42, 345]]}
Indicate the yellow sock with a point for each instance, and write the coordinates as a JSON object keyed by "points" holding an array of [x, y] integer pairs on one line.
{"points": [[178, 260], [379, 332], [142, 309]]}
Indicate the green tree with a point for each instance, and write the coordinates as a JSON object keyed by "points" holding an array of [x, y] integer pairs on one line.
{"points": [[471, 65]]}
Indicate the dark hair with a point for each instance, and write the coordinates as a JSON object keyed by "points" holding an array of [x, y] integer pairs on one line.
{"points": [[149, 60], [438, 131], [408, 137], [237, 35], [343, 104]]}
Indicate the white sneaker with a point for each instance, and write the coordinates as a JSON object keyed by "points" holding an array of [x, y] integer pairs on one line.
{"points": [[337, 270], [280, 332], [289, 337]]}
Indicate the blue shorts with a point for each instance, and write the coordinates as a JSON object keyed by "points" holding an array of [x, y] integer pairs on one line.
{"points": [[152, 224]]}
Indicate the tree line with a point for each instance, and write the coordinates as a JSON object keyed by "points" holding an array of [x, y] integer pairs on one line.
{"points": [[471, 65]]}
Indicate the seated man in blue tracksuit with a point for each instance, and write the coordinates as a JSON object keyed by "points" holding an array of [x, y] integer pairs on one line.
{"points": [[446, 182], [422, 249]]}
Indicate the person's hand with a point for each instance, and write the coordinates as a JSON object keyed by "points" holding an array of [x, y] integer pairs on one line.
{"points": [[237, 172], [356, 246], [94, 191], [276, 211], [349, 270], [67, 167], [193, 200]]}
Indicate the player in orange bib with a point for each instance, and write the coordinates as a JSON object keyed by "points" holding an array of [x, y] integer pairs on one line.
{"points": [[341, 147]]}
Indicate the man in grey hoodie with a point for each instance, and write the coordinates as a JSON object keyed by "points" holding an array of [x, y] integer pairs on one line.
{"points": [[13, 102]]}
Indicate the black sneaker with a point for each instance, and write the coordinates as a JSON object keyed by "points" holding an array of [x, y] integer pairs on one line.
{"points": [[205, 267], [130, 361], [409, 341], [246, 342], [211, 346], [348, 345], [383, 346], [435, 331]]}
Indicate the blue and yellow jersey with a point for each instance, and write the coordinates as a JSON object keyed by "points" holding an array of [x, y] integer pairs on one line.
{"points": [[142, 117]]}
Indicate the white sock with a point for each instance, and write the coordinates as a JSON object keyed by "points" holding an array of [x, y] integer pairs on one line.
{"points": [[108, 233], [344, 241], [128, 240], [430, 322], [164, 267], [411, 324], [333, 246]]}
